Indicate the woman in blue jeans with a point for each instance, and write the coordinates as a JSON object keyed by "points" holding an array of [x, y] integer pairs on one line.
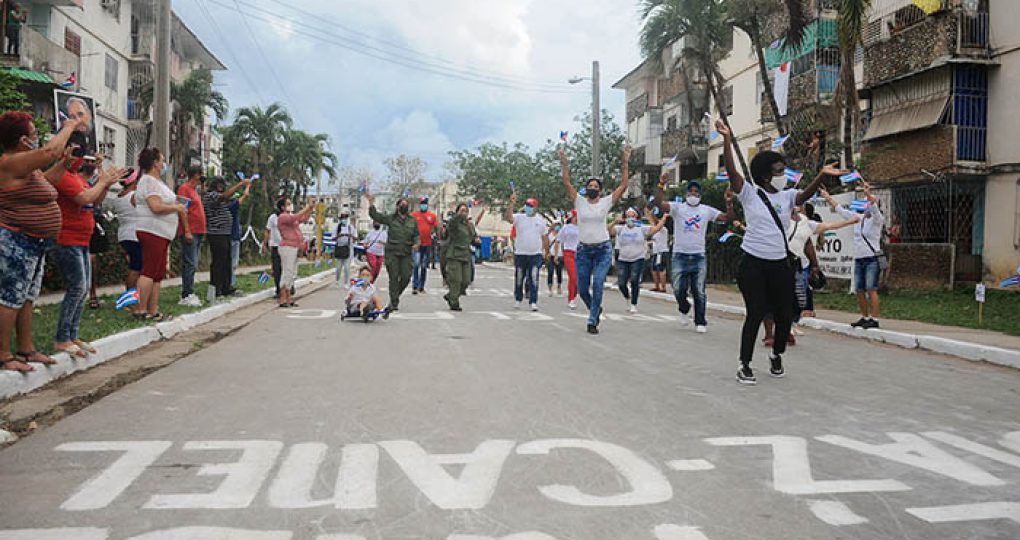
{"points": [[594, 251], [632, 237]]}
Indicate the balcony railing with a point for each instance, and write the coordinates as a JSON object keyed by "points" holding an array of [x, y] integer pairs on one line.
{"points": [[40, 54]]}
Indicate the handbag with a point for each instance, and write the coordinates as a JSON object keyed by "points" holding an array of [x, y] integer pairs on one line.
{"points": [[817, 280], [792, 260]]}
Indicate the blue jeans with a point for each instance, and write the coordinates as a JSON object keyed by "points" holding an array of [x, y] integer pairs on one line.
{"points": [[235, 258], [688, 274], [526, 269], [421, 258], [73, 262], [189, 262], [593, 261], [866, 274], [630, 278]]}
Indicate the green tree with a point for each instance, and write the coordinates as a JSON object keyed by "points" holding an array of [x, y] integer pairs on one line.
{"points": [[404, 173], [301, 159], [264, 129]]}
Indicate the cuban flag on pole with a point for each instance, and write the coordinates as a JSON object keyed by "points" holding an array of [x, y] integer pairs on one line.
{"points": [[781, 88], [723, 176], [671, 163], [850, 177], [129, 298], [779, 142], [726, 236], [792, 176], [563, 136], [860, 205], [71, 81]]}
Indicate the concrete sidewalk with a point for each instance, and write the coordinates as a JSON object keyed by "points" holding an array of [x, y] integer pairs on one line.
{"points": [[58, 296]]}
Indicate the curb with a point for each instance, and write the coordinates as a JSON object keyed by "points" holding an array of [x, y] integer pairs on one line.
{"points": [[110, 347], [960, 349]]}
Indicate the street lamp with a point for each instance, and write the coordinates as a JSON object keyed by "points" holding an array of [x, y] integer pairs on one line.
{"points": [[596, 115]]}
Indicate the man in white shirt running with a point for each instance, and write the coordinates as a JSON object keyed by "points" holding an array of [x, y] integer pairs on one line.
{"points": [[530, 249]]}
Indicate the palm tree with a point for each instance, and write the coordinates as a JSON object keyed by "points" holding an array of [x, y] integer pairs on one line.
{"points": [[709, 33], [852, 17], [193, 97], [264, 128], [302, 159]]}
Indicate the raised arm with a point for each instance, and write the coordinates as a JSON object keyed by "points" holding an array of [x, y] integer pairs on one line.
{"points": [[96, 193], [736, 180], [306, 212], [373, 213], [625, 176], [228, 194], [833, 225], [660, 193], [731, 213], [508, 215], [21, 164], [612, 225], [805, 194], [565, 170], [657, 224]]}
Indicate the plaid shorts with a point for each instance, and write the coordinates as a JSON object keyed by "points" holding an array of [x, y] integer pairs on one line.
{"points": [[22, 263]]}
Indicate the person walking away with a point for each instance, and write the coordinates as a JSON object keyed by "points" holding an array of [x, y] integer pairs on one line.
{"points": [[660, 251], [158, 215], [632, 237], [765, 275], [77, 201], [554, 262], [346, 236], [235, 232], [124, 208], [530, 247], [271, 242], [568, 241], [867, 255], [191, 249], [291, 240], [690, 265], [401, 243], [218, 229], [375, 249], [461, 236], [29, 224], [427, 223], [595, 251]]}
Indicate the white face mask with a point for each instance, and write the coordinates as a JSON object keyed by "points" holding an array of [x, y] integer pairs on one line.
{"points": [[693, 200], [779, 182]]}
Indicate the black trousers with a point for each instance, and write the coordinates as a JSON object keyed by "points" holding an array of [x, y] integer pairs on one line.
{"points": [[277, 268], [219, 269], [767, 286]]}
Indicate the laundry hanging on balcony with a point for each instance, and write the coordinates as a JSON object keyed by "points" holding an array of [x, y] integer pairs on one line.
{"points": [[782, 88], [929, 6]]}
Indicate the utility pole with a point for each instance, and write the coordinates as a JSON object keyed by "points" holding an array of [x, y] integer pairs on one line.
{"points": [[161, 112], [596, 117]]}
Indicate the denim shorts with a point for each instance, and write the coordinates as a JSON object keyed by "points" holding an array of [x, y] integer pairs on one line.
{"points": [[133, 250], [866, 273], [659, 261], [22, 263]]}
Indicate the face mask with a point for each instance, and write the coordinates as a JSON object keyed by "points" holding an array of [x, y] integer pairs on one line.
{"points": [[343, 222], [631, 222], [693, 200], [376, 226], [402, 209], [77, 164], [557, 228], [779, 182], [592, 193], [162, 171], [529, 211], [34, 144], [423, 207]]}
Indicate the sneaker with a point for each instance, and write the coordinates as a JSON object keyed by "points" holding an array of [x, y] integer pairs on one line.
{"points": [[592, 329], [421, 291], [534, 307], [550, 293], [191, 300], [386, 313], [776, 370], [633, 309], [870, 323], [517, 304], [746, 376], [701, 329], [456, 308], [414, 292], [860, 323], [572, 304], [685, 319]]}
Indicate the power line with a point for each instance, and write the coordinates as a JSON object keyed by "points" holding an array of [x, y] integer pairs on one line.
{"points": [[258, 47], [388, 56], [230, 50]]}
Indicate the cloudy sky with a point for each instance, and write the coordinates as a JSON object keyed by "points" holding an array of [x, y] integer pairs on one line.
{"points": [[374, 108]]}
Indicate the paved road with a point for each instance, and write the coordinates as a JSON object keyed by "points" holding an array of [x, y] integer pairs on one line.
{"points": [[495, 423]]}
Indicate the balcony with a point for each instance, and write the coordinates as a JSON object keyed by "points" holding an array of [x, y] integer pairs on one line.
{"points": [[40, 54], [689, 143]]}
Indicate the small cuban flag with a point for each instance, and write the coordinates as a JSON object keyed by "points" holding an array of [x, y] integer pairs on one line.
{"points": [[726, 236], [779, 142], [263, 278], [713, 135], [860, 205], [723, 176], [1011, 282], [363, 186], [129, 298], [240, 175], [563, 136], [71, 81], [671, 163], [793, 176], [357, 282], [851, 177]]}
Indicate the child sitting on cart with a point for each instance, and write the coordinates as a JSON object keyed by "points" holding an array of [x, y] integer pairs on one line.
{"points": [[362, 300]]}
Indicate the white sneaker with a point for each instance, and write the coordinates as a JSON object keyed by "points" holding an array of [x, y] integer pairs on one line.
{"points": [[701, 329], [550, 293], [685, 320], [534, 307], [633, 309], [191, 300], [517, 304], [572, 304]]}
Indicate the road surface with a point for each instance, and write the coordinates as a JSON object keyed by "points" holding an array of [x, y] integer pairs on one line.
{"points": [[502, 424]]}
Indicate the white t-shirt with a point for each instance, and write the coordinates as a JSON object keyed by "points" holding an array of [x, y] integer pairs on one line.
{"points": [[869, 227], [690, 223], [763, 238], [127, 217], [802, 232], [274, 231], [555, 247], [360, 295], [375, 242], [660, 241], [346, 234], [162, 225], [529, 234], [591, 219], [633, 242], [569, 237]]}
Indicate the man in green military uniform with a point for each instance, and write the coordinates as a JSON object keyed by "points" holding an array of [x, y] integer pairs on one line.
{"points": [[459, 235], [401, 243]]}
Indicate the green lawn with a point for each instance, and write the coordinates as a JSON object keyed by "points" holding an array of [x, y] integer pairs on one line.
{"points": [[950, 308], [105, 321]]}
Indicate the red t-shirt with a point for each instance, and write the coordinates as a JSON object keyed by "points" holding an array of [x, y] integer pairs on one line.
{"points": [[196, 212], [426, 222], [78, 221]]}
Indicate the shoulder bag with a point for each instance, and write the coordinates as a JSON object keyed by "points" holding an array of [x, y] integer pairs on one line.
{"points": [[792, 260]]}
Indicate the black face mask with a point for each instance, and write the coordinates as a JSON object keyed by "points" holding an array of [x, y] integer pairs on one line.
{"points": [[592, 193], [376, 226], [402, 209]]}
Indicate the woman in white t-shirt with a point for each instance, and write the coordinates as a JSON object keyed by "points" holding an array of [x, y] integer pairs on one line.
{"points": [[124, 208], [660, 250], [375, 249], [632, 237], [803, 232], [594, 251], [765, 276], [568, 239]]}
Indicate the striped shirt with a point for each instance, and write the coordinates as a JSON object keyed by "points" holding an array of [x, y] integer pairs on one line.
{"points": [[30, 207], [217, 214]]}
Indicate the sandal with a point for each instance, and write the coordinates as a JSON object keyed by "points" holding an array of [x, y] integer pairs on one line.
{"points": [[139, 315], [15, 365], [158, 317], [72, 350], [36, 357], [86, 346]]}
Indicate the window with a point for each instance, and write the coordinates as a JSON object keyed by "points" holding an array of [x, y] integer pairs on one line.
{"points": [[111, 72], [671, 123], [109, 142], [727, 100], [72, 42]]}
